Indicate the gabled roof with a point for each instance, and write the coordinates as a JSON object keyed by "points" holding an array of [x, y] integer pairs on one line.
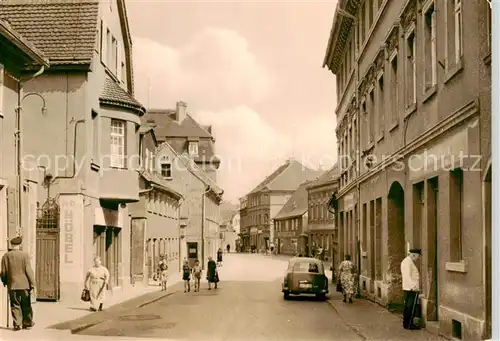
{"points": [[156, 181], [64, 30], [296, 206], [169, 127], [327, 177], [17, 42], [113, 94], [193, 169], [287, 177]]}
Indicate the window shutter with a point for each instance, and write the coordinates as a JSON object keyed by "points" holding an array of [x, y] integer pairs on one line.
{"points": [[104, 42], [119, 55]]}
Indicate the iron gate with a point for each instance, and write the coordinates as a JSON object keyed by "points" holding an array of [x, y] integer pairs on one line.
{"points": [[47, 250]]}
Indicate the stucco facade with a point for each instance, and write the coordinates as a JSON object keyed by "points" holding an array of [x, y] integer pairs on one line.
{"points": [[17, 52], [414, 141], [199, 211], [86, 168]]}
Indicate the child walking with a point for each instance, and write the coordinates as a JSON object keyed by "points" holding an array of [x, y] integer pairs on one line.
{"points": [[186, 276], [197, 275]]}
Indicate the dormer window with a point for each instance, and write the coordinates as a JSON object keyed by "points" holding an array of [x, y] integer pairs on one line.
{"points": [[166, 170], [193, 148]]}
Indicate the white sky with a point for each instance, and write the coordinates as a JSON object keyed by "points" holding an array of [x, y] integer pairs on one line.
{"points": [[251, 69]]}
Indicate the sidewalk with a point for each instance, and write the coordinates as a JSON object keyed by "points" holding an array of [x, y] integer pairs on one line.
{"points": [[373, 322], [56, 320]]}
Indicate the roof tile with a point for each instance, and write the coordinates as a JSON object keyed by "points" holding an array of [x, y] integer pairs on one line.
{"points": [[114, 94], [64, 30], [296, 205]]}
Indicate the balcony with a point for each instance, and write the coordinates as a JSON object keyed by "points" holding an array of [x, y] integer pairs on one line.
{"points": [[119, 185]]}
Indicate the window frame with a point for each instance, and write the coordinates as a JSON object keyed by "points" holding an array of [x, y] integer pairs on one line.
{"points": [[2, 88], [168, 170], [394, 79], [433, 44], [119, 135], [381, 104], [411, 31], [193, 153]]}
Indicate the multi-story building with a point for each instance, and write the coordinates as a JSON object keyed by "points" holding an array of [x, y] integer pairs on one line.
{"points": [[200, 211], [228, 232], [155, 218], [322, 231], [414, 139], [88, 164], [17, 53], [290, 224], [244, 225], [185, 135], [267, 199]]}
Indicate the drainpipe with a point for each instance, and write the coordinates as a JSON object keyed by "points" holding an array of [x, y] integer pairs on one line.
{"points": [[18, 142], [73, 174], [203, 225]]}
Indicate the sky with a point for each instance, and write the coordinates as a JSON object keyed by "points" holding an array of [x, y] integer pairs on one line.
{"points": [[251, 69]]}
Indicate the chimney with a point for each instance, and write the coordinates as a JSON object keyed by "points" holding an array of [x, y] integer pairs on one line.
{"points": [[180, 111]]}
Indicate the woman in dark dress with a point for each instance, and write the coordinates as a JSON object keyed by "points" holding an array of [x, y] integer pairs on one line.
{"points": [[212, 275], [219, 257]]}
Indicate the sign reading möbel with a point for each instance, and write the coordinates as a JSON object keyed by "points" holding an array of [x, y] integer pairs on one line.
{"points": [[67, 213], [71, 238]]}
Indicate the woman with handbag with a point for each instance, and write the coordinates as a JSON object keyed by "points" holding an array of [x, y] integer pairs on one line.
{"points": [[95, 283], [347, 276]]}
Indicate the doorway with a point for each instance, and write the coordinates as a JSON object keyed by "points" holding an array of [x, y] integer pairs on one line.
{"points": [[396, 247], [432, 247]]}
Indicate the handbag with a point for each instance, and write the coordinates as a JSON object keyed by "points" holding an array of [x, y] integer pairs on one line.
{"points": [[85, 295], [339, 285]]}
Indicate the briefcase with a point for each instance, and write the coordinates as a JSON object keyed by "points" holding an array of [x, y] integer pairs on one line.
{"points": [[85, 295]]}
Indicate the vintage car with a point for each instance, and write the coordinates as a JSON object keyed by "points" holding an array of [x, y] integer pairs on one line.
{"points": [[305, 276]]}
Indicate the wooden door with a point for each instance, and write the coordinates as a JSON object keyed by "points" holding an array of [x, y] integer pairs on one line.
{"points": [[47, 251]]}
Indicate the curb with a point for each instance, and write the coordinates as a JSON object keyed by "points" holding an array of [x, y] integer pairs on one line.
{"points": [[351, 327], [81, 328]]}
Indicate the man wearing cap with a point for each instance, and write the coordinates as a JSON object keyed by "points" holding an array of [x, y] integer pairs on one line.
{"points": [[17, 275], [411, 287]]}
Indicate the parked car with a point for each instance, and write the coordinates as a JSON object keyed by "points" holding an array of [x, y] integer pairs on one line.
{"points": [[305, 276]]}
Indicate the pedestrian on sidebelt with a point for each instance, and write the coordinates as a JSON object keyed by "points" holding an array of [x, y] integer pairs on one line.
{"points": [[228, 247], [96, 281], [219, 257], [212, 275], [186, 276], [197, 275], [163, 267], [411, 288], [17, 275], [347, 273]]}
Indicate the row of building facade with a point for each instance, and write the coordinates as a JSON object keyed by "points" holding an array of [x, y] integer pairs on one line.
{"points": [[414, 139], [85, 169], [292, 210]]}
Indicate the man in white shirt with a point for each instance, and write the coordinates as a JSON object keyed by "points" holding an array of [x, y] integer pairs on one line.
{"points": [[411, 287]]}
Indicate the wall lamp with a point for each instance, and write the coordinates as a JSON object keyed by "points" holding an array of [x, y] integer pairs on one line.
{"points": [[44, 108]]}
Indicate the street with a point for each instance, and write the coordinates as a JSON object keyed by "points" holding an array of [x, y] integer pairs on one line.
{"points": [[248, 305]]}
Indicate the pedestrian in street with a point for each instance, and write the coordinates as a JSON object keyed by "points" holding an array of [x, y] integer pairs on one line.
{"points": [[96, 280], [17, 275], [228, 247], [219, 257], [347, 273], [186, 276], [411, 288], [197, 275], [163, 267], [212, 275]]}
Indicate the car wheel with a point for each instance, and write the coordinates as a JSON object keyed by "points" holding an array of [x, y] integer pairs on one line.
{"points": [[286, 295], [321, 297]]}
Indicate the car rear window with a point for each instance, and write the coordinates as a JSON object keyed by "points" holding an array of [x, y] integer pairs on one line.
{"points": [[307, 267]]}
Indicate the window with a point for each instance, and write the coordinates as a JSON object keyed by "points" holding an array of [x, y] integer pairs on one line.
{"points": [[454, 33], [411, 72], [95, 142], [369, 3], [117, 143], [362, 28], [430, 46], [193, 148], [353, 141], [456, 213], [123, 73], [98, 38], [114, 55], [381, 105], [1, 88], [394, 88], [166, 170], [365, 130], [108, 47], [371, 117]]}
